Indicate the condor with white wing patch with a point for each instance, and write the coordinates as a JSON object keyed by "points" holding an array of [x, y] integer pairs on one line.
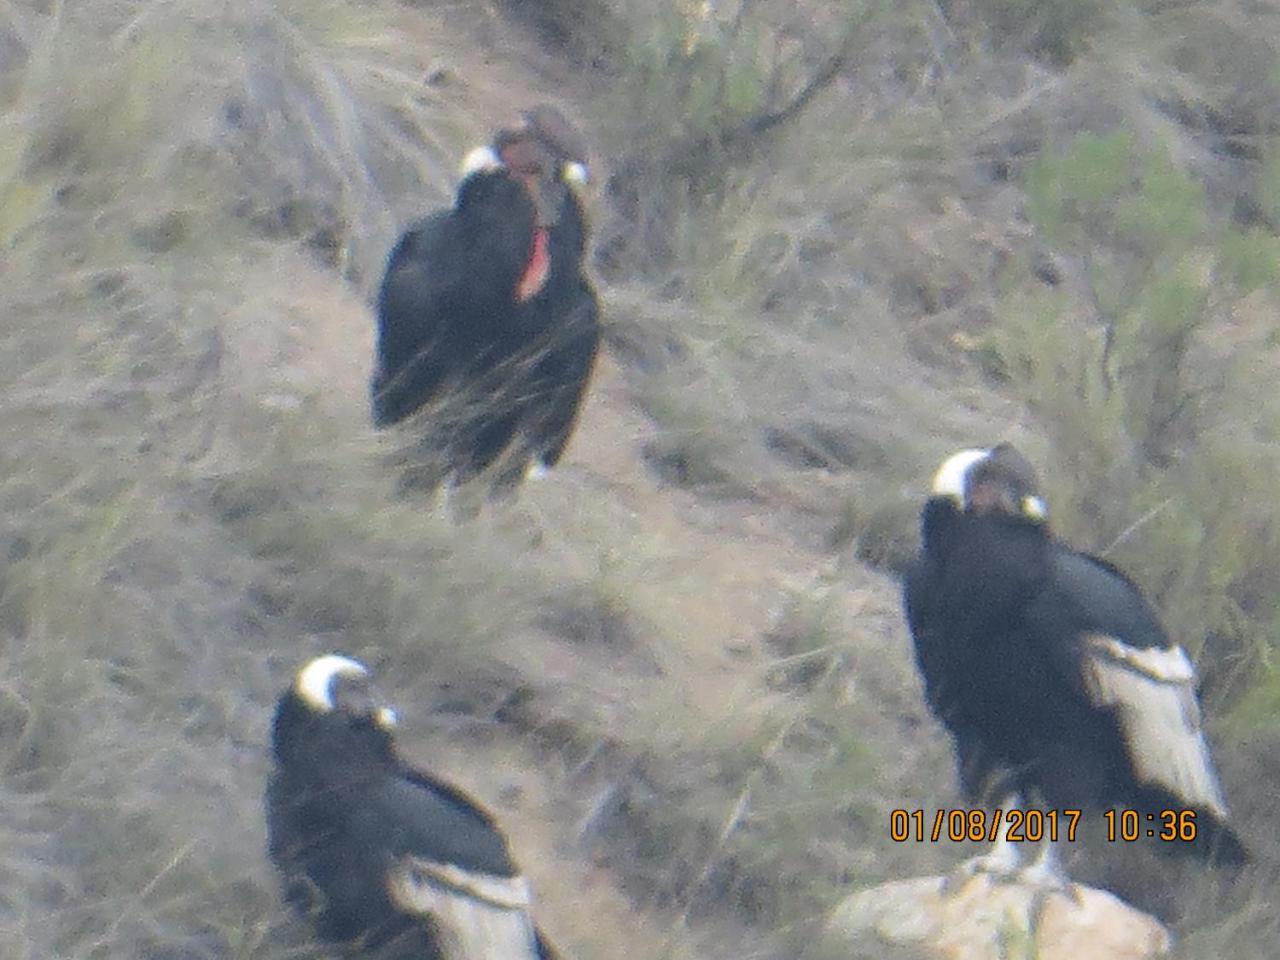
{"points": [[1153, 693], [1049, 666], [379, 856]]}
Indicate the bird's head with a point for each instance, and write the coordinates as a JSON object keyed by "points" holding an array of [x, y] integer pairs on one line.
{"points": [[333, 716], [999, 480], [337, 684], [546, 153]]}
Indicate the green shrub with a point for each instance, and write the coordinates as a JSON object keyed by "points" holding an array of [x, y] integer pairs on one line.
{"points": [[1134, 222], [1057, 30], [1156, 459], [1249, 258], [697, 93]]}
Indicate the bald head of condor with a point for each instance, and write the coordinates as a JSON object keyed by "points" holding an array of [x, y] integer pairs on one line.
{"points": [[487, 304], [1049, 668], [378, 855]]}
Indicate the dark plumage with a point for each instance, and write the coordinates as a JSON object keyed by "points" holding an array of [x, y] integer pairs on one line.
{"points": [[1047, 665], [379, 855], [487, 303]]}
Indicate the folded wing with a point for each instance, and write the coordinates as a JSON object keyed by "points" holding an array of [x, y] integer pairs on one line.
{"points": [[1152, 691]]}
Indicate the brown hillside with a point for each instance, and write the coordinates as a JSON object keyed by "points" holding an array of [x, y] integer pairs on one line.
{"points": [[675, 669]]}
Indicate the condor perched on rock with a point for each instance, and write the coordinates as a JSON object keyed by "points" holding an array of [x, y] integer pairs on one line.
{"points": [[1049, 667], [381, 857], [488, 304]]}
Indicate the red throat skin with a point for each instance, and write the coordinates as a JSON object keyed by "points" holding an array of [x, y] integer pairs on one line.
{"points": [[536, 270]]}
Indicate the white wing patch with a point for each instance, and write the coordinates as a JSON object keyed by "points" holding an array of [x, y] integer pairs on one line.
{"points": [[478, 916], [1153, 691]]}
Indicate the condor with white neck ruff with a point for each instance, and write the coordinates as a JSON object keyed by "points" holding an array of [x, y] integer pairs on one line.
{"points": [[1051, 670], [382, 858], [486, 318]]}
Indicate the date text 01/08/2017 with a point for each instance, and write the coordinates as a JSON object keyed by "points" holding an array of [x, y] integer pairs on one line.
{"points": [[1034, 826]]}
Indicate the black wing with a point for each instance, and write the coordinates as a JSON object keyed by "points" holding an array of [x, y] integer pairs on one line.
{"points": [[1099, 598], [447, 863], [329, 874], [446, 307], [1124, 664], [421, 293], [563, 374], [418, 815], [929, 646], [956, 675]]}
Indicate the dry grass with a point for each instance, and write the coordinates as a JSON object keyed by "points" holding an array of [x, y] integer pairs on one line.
{"points": [[692, 712]]}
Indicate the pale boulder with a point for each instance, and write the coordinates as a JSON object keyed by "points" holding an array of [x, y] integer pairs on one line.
{"points": [[984, 918]]}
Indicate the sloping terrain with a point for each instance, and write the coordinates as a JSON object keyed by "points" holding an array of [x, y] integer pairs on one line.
{"points": [[665, 667]]}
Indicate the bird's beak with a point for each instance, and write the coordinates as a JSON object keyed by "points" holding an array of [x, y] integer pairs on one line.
{"points": [[361, 698], [548, 195]]}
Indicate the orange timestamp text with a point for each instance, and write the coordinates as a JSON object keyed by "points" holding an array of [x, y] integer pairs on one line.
{"points": [[1169, 826], [1016, 826]]}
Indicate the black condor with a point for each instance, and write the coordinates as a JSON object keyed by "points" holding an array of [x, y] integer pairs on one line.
{"points": [[1048, 666], [486, 316], [381, 857]]}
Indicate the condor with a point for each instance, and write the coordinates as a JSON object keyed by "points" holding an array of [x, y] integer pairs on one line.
{"points": [[486, 318], [1048, 666], [382, 857]]}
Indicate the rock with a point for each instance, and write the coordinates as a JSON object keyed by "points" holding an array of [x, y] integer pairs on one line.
{"points": [[984, 918]]}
